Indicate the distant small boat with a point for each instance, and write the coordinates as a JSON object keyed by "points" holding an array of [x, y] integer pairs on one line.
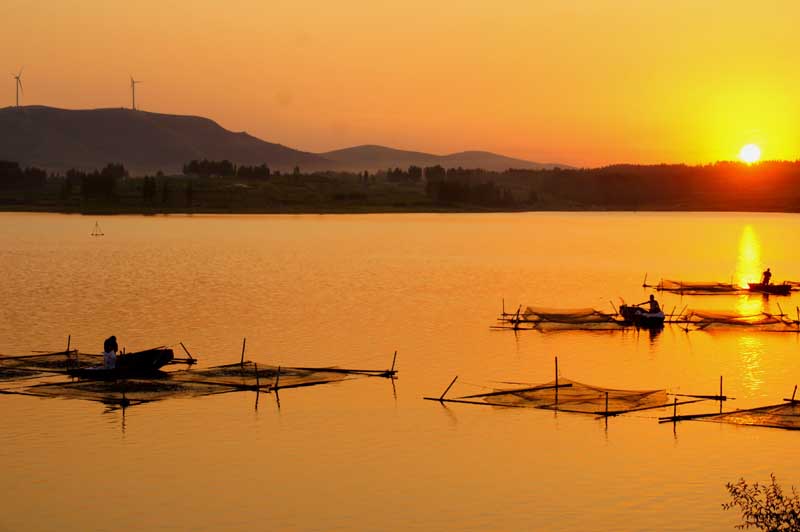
{"points": [[774, 289], [97, 231], [141, 364], [640, 318]]}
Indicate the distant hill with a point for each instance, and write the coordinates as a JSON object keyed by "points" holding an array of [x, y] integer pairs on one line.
{"points": [[59, 139], [370, 157]]}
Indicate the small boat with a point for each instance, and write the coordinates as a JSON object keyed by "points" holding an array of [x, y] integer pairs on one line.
{"points": [[774, 289], [140, 364], [97, 231], [633, 315]]}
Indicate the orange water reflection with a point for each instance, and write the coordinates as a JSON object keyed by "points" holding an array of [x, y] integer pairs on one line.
{"points": [[751, 352], [347, 290], [748, 264]]}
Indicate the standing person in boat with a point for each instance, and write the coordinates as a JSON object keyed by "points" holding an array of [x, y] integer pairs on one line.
{"points": [[110, 349], [765, 277], [654, 306]]}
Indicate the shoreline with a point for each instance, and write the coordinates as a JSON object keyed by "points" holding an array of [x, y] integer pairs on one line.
{"points": [[34, 209]]}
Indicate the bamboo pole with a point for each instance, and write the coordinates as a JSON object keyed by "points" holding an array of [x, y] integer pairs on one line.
{"points": [[467, 402], [394, 359], [556, 381], [441, 397], [187, 351], [69, 339], [277, 378], [518, 390], [612, 306], [244, 345], [685, 417], [792, 400]]}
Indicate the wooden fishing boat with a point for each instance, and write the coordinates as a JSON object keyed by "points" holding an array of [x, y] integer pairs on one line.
{"points": [[140, 364], [633, 315], [774, 289]]}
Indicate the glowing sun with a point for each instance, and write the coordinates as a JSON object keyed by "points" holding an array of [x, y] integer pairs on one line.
{"points": [[750, 153]]}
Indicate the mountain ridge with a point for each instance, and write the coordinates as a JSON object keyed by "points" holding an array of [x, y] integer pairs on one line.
{"points": [[145, 142]]}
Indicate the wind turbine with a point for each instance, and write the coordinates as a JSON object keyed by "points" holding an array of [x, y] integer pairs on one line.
{"points": [[133, 92], [18, 83]]}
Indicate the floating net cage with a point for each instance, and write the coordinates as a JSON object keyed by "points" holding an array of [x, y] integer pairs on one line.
{"points": [[47, 375], [698, 287], [781, 416], [573, 396], [764, 321], [591, 319], [567, 395], [543, 318]]}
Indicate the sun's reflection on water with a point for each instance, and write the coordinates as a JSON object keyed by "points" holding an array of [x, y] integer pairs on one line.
{"points": [[748, 264], [751, 349], [749, 305]]}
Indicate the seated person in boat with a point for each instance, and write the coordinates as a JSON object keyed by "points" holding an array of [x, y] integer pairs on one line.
{"points": [[654, 306], [765, 277], [110, 349]]}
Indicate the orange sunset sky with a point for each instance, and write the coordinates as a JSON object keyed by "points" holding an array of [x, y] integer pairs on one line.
{"points": [[584, 83]]}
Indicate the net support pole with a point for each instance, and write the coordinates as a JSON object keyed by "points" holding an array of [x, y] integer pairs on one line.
{"points": [[441, 397], [258, 384], [244, 345], [188, 354], [794, 392], [394, 359], [606, 405], [556, 380], [277, 378], [675, 409], [69, 339]]}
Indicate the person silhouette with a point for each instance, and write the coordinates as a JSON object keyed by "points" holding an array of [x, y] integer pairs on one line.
{"points": [[654, 306], [766, 276], [110, 349]]}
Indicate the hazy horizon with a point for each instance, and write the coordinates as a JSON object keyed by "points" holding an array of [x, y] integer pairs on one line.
{"points": [[590, 85]]}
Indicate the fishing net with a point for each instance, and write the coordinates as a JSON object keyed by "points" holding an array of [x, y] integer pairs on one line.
{"points": [[44, 368], [133, 390], [782, 416], [574, 396], [244, 376], [698, 287], [703, 319], [49, 362], [555, 318], [576, 315]]}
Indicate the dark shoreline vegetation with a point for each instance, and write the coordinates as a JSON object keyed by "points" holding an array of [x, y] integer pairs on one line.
{"points": [[223, 187]]}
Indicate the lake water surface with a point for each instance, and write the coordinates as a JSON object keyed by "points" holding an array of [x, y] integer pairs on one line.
{"points": [[362, 454]]}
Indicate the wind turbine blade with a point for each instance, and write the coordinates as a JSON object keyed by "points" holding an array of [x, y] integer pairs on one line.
{"points": [[20, 85]]}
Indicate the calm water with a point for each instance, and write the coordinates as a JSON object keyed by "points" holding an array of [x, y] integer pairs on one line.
{"points": [[360, 455]]}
